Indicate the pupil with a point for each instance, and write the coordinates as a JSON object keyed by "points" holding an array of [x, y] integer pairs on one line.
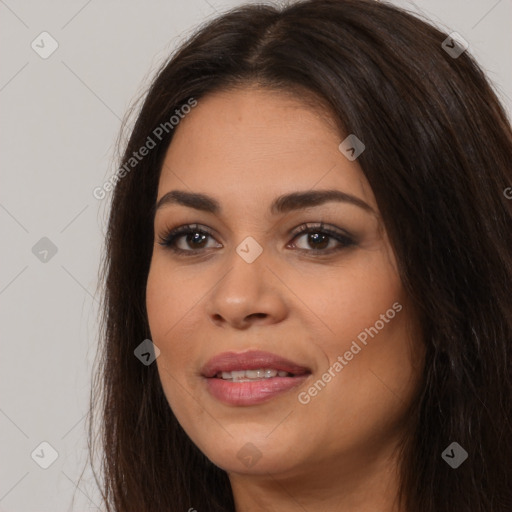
{"points": [[197, 237], [315, 237]]}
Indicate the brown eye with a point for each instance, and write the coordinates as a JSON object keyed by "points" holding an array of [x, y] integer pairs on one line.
{"points": [[192, 239], [317, 239]]}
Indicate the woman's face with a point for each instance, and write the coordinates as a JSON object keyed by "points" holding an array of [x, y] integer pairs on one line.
{"points": [[330, 304]]}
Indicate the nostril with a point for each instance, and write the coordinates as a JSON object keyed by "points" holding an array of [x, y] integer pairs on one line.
{"points": [[258, 315]]}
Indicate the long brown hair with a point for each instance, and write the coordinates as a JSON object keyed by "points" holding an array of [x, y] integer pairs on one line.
{"points": [[438, 157]]}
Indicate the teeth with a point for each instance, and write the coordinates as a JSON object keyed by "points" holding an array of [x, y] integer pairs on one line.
{"points": [[255, 374], [248, 375]]}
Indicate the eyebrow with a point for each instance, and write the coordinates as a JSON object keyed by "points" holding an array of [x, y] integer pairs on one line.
{"points": [[282, 204]]}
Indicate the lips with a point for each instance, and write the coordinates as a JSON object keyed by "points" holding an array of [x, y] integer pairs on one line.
{"points": [[251, 360], [251, 378]]}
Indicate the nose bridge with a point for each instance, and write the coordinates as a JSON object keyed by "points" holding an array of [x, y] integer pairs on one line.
{"points": [[245, 289], [245, 279]]}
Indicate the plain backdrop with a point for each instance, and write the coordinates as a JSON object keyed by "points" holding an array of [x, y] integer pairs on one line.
{"points": [[60, 117]]}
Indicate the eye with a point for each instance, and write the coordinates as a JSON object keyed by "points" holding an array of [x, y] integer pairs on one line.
{"points": [[318, 237], [191, 235], [193, 238]]}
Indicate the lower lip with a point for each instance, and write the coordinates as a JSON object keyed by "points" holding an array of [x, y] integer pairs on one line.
{"points": [[251, 393]]}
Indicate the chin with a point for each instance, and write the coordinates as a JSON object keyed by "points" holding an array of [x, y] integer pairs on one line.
{"points": [[251, 451], [249, 460]]}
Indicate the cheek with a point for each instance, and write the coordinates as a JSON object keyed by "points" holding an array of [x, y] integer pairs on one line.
{"points": [[367, 323], [372, 386], [169, 302], [175, 299], [350, 298], [169, 297]]}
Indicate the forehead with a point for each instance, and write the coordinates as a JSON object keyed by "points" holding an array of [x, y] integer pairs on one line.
{"points": [[255, 142]]}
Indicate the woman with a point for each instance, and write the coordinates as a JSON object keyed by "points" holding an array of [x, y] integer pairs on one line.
{"points": [[307, 273]]}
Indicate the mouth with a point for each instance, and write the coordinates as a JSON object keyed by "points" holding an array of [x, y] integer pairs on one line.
{"points": [[252, 377], [252, 365]]}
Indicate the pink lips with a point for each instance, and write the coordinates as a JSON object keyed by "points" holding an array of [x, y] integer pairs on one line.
{"points": [[258, 391]]}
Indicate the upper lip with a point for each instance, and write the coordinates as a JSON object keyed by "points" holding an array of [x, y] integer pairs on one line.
{"points": [[251, 360]]}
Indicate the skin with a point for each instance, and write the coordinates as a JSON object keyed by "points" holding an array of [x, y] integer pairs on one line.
{"points": [[245, 147]]}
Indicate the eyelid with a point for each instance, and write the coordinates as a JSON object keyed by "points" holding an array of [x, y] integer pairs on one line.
{"points": [[343, 237], [184, 229], [320, 226]]}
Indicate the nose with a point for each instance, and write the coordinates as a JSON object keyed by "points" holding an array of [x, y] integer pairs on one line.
{"points": [[247, 294]]}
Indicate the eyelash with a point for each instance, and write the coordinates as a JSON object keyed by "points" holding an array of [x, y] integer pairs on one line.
{"points": [[168, 240]]}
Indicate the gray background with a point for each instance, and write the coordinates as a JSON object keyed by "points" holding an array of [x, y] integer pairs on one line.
{"points": [[60, 119]]}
